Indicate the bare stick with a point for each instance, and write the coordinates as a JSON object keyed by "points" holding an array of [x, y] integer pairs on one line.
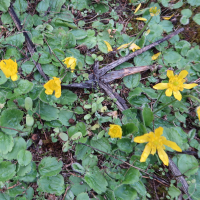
{"points": [[114, 64], [29, 43]]}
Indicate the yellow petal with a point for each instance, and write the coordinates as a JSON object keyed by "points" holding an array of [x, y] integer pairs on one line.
{"points": [[158, 132], [123, 46], [108, 46], [177, 95], [141, 19], [147, 32], [170, 74], [198, 112], [133, 47], [172, 145], [168, 92], [161, 86], [155, 56], [163, 156], [14, 77], [153, 150], [168, 18], [189, 86], [115, 131], [145, 153], [142, 139], [58, 93], [182, 74], [138, 8]]}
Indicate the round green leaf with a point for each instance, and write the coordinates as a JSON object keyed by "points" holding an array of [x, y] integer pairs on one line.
{"points": [[68, 41], [188, 164], [6, 143], [132, 81], [50, 70], [83, 196], [79, 34], [186, 12], [125, 145], [67, 97], [11, 118], [24, 86], [147, 116], [7, 171], [4, 4], [132, 176], [51, 184], [3, 78], [47, 112], [125, 192], [171, 56], [65, 115], [49, 166], [96, 180], [196, 18], [24, 157], [19, 144], [23, 170]]}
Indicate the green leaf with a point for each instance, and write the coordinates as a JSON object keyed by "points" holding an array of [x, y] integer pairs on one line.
{"points": [[30, 176], [56, 5], [83, 196], [43, 6], [196, 18], [129, 128], [24, 157], [132, 176], [173, 191], [125, 192], [65, 115], [101, 144], [90, 42], [167, 25], [132, 81], [51, 184], [80, 5], [49, 166], [3, 78], [180, 117], [7, 171], [47, 112], [68, 41], [4, 196], [171, 56], [101, 8], [96, 180], [188, 164], [184, 20], [24, 86], [147, 115], [125, 145], [140, 187], [79, 34], [23, 170], [45, 57], [47, 98], [143, 59], [6, 143], [27, 67], [67, 97], [21, 5], [78, 168], [194, 2], [11, 118], [4, 4], [19, 144], [16, 40], [186, 12]]}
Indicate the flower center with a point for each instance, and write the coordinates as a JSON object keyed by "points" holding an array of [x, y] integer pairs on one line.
{"points": [[175, 83]]}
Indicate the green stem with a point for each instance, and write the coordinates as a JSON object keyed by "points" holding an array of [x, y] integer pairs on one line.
{"points": [[164, 106], [158, 98], [140, 33], [190, 96]]}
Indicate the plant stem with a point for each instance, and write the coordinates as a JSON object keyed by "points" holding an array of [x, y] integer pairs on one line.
{"points": [[164, 106], [190, 96], [158, 98]]}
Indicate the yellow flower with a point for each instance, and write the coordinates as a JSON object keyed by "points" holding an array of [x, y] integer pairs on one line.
{"points": [[70, 62], [156, 142], [168, 18], [141, 19], [198, 112], [9, 68], [175, 84], [53, 85], [123, 46], [138, 8], [154, 11], [115, 131], [134, 47], [108, 46], [155, 56]]}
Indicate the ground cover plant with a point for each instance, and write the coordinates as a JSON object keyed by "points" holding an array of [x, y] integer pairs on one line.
{"points": [[99, 99]]}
